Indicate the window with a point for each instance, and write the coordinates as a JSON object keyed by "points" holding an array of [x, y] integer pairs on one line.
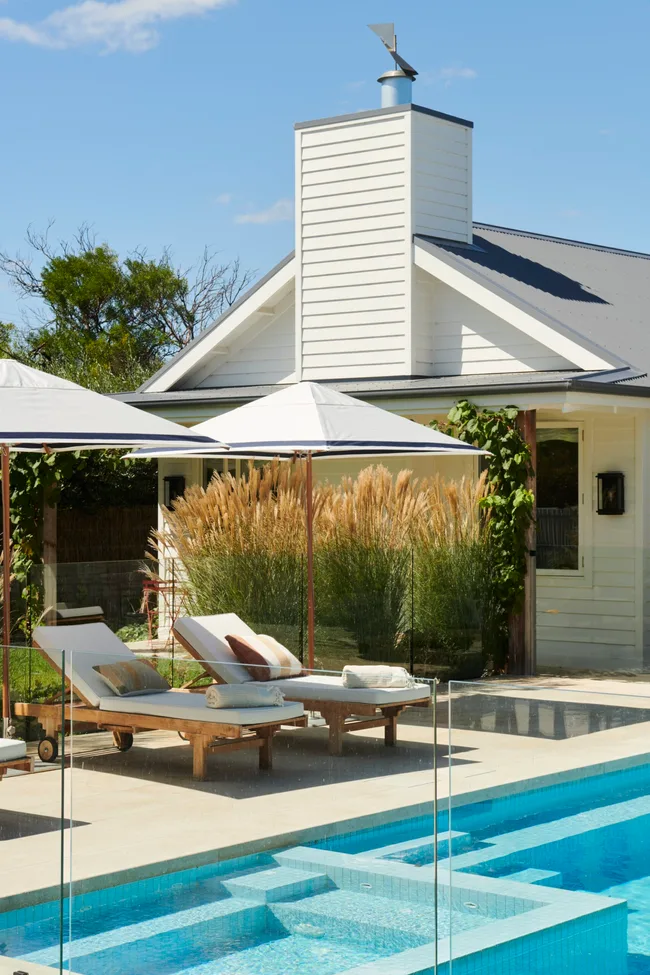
{"points": [[558, 498]]}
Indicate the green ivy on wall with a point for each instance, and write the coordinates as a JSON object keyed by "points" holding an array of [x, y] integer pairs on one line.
{"points": [[509, 503]]}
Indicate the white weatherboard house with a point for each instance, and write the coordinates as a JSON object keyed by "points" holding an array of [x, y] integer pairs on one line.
{"points": [[396, 295]]}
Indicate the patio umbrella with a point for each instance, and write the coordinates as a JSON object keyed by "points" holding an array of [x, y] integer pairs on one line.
{"points": [[42, 413], [310, 420]]}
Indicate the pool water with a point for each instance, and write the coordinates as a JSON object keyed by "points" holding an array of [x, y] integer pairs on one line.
{"points": [[266, 917], [550, 881]]}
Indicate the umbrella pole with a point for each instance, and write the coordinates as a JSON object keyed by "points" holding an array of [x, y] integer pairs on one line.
{"points": [[6, 589], [310, 562]]}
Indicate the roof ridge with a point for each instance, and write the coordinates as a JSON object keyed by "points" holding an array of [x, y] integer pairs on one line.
{"points": [[562, 240]]}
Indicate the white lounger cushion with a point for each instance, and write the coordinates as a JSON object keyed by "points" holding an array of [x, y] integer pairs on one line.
{"points": [[206, 635], [191, 707], [85, 645], [12, 750], [321, 687]]}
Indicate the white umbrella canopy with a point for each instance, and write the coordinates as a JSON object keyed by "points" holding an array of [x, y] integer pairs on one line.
{"points": [[42, 413], [311, 420]]}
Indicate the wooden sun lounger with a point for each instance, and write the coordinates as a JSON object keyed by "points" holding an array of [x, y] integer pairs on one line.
{"points": [[203, 736], [340, 717], [20, 764]]}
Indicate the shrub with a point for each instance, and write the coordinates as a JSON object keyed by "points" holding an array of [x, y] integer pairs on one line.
{"points": [[386, 550]]}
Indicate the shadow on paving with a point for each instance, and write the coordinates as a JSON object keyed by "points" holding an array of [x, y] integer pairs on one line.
{"points": [[15, 825], [300, 761]]}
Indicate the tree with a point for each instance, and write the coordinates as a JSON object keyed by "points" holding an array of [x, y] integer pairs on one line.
{"points": [[109, 322]]}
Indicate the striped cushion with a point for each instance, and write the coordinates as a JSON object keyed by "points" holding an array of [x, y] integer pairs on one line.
{"points": [[130, 678], [264, 658], [285, 663]]}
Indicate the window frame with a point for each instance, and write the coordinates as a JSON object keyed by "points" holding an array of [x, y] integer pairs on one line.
{"points": [[580, 572]]}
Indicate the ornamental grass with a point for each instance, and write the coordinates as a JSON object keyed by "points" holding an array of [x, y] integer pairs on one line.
{"points": [[399, 561]]}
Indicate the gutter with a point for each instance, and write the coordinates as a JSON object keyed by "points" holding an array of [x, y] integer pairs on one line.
{"points": [[188, 397]]}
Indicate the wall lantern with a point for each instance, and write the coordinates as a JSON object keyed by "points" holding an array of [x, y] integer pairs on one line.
{"points": [[611, 493], [174, 487]]}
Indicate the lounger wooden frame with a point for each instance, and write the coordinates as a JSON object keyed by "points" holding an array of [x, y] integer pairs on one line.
{"points": [[340, 716], [203, 736], [20, 764]]}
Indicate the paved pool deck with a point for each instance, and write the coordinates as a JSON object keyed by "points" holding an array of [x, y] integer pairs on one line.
{"points": [[140, 813]]}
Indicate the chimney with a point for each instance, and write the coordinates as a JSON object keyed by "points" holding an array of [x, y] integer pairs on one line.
{"points": [[396, 85], [366, 183]]}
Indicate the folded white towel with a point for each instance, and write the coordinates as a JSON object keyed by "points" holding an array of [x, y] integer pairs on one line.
{"points": [[243, 696], [377, 676]]}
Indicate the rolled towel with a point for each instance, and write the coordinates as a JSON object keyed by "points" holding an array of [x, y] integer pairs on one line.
{"points": [[247, 695], [377, 676]]}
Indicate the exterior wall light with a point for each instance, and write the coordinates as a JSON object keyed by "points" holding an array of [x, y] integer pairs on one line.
{"points": [[611, 493], [174, 487]]}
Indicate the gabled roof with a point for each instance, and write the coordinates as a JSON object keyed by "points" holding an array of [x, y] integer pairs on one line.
{"points": [[599, 293], [594, 300], [183, 361]]}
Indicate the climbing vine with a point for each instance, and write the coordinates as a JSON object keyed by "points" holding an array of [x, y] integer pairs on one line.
{"points": [[509, 503]]}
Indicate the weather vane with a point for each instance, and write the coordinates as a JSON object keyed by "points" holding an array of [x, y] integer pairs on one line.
{"points": [[386, 33]]}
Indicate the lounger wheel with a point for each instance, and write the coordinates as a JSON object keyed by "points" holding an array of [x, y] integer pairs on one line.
{"points": [[48, 749], [183, 736], [123, 740]]}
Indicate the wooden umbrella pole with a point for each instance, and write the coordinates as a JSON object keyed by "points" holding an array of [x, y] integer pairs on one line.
{"points": [[6, 587], [310, 562]]}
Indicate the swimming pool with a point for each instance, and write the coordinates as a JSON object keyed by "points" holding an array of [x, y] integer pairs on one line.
{"points": [[553, 880]]}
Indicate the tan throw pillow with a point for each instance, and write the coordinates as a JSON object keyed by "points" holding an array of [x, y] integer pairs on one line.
{"points": [[128, 678], [253, 657], [283, 662]]}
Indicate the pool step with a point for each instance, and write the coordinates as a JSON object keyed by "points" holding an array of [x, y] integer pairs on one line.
{"points": [[277, 884], [533, 875], [225, 918], [409, 849], [293, 953], [343, 914]]}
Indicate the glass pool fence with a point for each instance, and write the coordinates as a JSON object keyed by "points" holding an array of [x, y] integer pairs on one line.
{"points": [[162, 832], [545, 831]]}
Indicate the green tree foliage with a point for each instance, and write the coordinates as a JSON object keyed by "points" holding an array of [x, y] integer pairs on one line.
{"points": [[509, 503], [109, 322]]}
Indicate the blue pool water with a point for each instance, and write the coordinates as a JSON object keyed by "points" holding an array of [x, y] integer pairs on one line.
{"points": [[550, 881]]}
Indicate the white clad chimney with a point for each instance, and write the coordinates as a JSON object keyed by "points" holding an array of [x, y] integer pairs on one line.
{"points": [[365, 184]]}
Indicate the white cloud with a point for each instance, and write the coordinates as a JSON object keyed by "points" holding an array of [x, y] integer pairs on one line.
{"points": [[128, 25], [281, 210], [223, 199], [448, 75]]}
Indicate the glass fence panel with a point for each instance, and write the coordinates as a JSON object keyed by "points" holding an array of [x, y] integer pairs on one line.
{"points": [[547, 826], [34, 820], [121, 593], [259, 824]]}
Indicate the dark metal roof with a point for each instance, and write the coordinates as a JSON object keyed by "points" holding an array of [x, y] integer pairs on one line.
{"points": [[612, 382], [599, 293]]}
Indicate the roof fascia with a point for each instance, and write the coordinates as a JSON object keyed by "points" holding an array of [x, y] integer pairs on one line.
{"points": [[528, 319], [185, 361]]}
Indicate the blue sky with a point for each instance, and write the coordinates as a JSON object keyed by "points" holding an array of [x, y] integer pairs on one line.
{"points": [[169, 122]]}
